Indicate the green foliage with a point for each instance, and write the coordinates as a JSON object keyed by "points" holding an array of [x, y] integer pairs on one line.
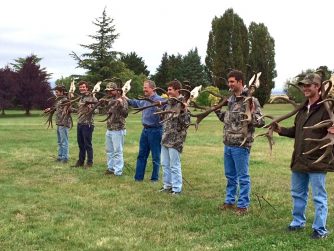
{"points": [[101, 61], [207, 99], [193, 70], [188, 67], [135, 63], [227, 46], [262, 59]]}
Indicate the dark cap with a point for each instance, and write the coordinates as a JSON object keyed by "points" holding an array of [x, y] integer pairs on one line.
{"points": [[312, 78], [60, 88]]}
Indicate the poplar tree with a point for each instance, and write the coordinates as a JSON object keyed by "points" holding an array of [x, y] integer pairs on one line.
{"points": [[262, 58], [227, 47]]}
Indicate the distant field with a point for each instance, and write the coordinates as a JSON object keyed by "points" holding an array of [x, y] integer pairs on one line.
{"points": [[50, 206]]}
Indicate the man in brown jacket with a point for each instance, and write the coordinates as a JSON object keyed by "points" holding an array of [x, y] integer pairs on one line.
{"points": [[303, 166]]}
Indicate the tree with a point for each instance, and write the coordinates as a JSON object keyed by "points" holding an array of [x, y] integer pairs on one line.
{"points": [[101, 61], [227, 46], [34, 88], [8, 88], [193, 70], [262, 59], [135, 63], [161, 76]]}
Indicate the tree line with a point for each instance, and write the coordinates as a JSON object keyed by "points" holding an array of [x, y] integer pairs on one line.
{"points": [[231, 45]]}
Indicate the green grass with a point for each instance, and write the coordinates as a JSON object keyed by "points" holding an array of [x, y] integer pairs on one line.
{"points": [[49, 206]]}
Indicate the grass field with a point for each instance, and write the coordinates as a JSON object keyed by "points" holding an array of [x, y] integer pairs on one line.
{"points": [[50, 206]]}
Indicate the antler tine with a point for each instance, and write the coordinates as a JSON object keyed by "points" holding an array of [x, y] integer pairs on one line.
{"points": [[326, 142], [285, 99]]}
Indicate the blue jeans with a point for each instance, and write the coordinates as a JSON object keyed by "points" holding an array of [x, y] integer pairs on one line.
{"points": [[150, 140], [62, 139], [84, 138], [114, 150], [299, 192], [171, 166], [236, 165]]}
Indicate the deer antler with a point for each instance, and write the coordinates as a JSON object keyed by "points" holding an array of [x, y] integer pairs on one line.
{"points": [[326, 142]]}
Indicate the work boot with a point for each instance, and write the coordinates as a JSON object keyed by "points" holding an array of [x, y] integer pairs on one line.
{"points": [[88, 165], [78, 164]]}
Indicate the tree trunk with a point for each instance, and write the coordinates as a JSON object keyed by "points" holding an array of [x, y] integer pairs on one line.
{"points": [[3, 111], [28, 112]]}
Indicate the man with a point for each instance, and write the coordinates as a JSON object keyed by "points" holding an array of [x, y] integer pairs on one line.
{"points": [[238, 138], [63, 122], [150, 138], [304, 170], [118, 111], [85, 126], [173, 137]]}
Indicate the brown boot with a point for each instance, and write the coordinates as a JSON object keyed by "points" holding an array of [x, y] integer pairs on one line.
{"points": [[78, 164], [88, 165]]}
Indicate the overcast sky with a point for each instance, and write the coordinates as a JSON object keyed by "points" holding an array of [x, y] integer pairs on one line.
{"points": [[302, 30]]}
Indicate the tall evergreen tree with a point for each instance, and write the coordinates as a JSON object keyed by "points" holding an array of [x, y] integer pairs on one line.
{"points": [[262, 58], [34, 88], [193, 70], [161, 76], [101, 61], [227, 46], [8, 88], [135, 63]]}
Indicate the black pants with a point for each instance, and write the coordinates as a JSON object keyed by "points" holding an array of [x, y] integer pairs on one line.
{"points": [[84, 138]]}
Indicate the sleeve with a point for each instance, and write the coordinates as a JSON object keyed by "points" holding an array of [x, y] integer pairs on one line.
{"points": [[220, 114], [134, 103]]}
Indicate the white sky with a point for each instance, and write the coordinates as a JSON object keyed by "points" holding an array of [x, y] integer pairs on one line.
{"points": [[302, 30]]}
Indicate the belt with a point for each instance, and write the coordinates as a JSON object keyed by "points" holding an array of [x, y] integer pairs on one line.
{"points": [[148, 126]]}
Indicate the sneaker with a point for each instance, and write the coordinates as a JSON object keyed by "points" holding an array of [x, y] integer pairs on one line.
{"points": [[226, 206], [240, 211], [78, 164], [295, 228], [108, 172], [316, 235], [58, 160], [175, 193], [64, 161], [165, 190]]}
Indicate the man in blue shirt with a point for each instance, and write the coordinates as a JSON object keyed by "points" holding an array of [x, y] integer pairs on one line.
{"points": [[150, 139]]}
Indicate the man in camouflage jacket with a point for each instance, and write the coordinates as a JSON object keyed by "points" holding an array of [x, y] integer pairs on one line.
{"points": [[63, 122], [85, 125], [118, 111], [174, 134], [238, 138]]}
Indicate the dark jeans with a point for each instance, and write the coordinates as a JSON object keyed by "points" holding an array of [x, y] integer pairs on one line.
{"points": [[150, 140], [84, 138]]}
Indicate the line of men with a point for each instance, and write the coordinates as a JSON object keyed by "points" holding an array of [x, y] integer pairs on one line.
{"points": [[165, 142]]}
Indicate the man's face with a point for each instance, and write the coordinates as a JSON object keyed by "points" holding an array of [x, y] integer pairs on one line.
{"points": [[234, 85], [172, 92], [148, 91], [83, 89], [58, 93], [112, 93], [310, 90]]}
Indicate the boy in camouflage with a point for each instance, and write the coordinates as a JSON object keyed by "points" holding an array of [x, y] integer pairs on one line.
{"points": [[174, 134], [118, 111], [85, 126], [63, 122]]}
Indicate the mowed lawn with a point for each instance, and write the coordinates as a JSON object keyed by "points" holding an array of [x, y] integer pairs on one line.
{"points": [[50, 206]]}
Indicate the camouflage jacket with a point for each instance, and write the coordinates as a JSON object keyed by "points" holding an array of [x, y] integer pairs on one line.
{"points": [[83, 109], [175, 126], [118, 111], [62, 117], [237, 132]]}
